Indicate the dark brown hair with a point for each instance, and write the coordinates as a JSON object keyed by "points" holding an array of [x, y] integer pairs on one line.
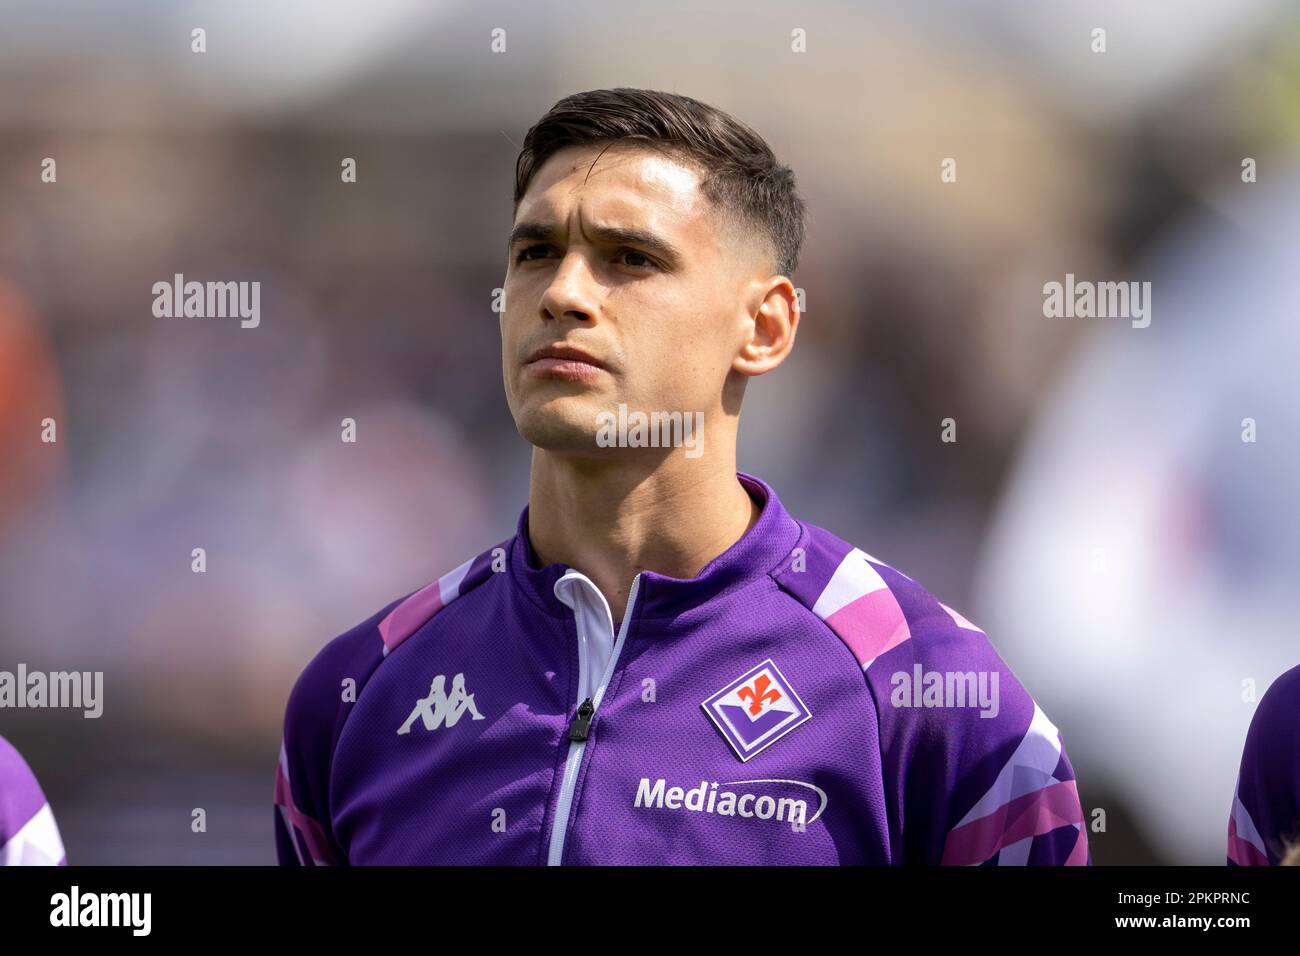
{"points": [[740, 175]]}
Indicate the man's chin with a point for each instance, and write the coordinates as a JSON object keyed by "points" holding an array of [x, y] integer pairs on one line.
{"points": [[566, 426]]}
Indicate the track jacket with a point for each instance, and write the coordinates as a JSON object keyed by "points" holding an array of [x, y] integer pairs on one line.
{"points": [[1264, 823], [796, 702], [28, 834]]}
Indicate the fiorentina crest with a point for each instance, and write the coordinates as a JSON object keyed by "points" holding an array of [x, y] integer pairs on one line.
{"points": [[756, 709]]}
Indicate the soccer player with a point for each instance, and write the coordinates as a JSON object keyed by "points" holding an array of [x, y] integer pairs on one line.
{"points": [[1264, 825], [28, 834], [662, 665]]}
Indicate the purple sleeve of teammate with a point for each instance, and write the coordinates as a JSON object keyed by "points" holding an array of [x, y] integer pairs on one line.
{"points": [[1265, 817], [29, 835]]}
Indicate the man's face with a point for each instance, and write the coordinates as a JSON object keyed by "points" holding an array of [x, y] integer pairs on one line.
{"points": [[628, 267]]}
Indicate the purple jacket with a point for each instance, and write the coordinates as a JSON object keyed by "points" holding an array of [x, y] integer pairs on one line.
{"points": [[797, 702], [28, 834], [1265, 816]]}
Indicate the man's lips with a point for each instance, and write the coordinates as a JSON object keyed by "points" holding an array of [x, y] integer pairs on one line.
{"points": [[563, 362]]}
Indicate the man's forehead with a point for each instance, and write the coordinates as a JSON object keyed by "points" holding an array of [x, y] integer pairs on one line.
{"points": [[621, 176], [632, 186]]}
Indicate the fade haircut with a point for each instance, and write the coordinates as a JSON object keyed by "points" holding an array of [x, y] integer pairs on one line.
{"points": [[739, 173]]}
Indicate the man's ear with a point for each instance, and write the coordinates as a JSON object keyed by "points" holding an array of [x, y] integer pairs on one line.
{"points": [[769, 327]]}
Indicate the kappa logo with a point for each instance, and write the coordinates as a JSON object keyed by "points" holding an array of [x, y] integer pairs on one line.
{"points": [[756, 709], [440, 708]]}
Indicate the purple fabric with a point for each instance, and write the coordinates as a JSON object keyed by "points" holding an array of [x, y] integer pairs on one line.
{"points": [[21, 800], [859, 781], [1265, 817]]}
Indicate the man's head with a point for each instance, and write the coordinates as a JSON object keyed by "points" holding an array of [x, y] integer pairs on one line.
{"points": [[654, 235]]}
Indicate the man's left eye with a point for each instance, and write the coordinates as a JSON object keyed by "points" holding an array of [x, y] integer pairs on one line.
{"points": [[633, 254]]}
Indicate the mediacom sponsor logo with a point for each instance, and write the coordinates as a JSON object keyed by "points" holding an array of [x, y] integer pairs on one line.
{"points": [[752, 799]]}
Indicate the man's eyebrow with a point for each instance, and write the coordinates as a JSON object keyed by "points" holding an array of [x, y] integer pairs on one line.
{"points": [[531, 230], [621, 235]]}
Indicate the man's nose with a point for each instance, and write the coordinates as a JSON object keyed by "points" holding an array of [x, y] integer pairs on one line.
{"points": [[572, 293]]}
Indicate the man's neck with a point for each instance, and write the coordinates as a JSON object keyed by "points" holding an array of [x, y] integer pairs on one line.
{"points": [[613, 519]]}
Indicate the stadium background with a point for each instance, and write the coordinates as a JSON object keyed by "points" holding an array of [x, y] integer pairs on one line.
{"points": [[1099, 515]]}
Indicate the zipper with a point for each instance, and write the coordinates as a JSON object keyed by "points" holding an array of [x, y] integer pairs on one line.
{"points": [[582, 720], [580, 726]]}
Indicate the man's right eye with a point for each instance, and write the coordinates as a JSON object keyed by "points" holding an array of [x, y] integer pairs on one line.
{"points": [[523, 254]]}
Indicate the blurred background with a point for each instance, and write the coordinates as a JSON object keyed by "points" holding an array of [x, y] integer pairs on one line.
{"points": [[1099, 515]]}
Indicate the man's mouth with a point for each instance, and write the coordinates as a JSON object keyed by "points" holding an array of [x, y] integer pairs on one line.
{"points": [[563, 362]]}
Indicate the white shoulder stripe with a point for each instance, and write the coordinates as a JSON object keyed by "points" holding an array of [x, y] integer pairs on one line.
{"points": [[37, 842], [449, 584], [959, 620], [1246, 829], [851, 580]]}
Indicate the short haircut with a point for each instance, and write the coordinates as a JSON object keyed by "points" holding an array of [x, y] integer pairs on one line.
{"points": [[739, 173]]}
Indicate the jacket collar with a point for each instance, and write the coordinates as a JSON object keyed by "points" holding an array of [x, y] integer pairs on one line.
{"points": [[758, 552]]}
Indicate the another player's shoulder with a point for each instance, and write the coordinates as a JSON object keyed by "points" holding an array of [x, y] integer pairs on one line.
{"points": [[1270, 761], [28, 834], [1278, 714], [875, 608], [17, 784], [1264, 825], [11, 761], [357, 652]]}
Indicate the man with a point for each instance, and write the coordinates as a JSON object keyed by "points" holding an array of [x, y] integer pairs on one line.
{"points": [[1264, 825], [662, 665], [28, 834]]}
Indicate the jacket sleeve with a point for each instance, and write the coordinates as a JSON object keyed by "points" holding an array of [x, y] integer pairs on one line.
{"points": [[29, 835], [303, 835], [318, 707], [976, 773], [1264, 823]]}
